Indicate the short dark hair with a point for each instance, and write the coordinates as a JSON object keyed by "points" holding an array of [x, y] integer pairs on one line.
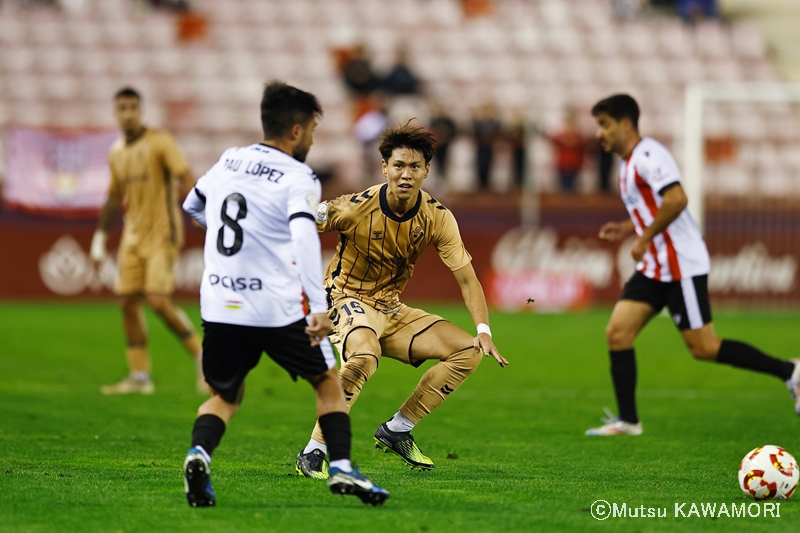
{"points": [[283, 106], [128, 92], [407, 136], [618, 106]]}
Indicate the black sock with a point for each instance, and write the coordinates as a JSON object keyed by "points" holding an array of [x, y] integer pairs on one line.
{"points": [[207, 432], [336, 430], [623, 373], [743, 355]]}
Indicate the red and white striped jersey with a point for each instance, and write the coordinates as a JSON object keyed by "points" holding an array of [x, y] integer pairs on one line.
{"points": [[678, 252]]}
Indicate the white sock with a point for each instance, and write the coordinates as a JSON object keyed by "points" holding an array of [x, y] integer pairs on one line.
{"points": [[141, 376], [315, 445], [342, 464], [400, 424]]}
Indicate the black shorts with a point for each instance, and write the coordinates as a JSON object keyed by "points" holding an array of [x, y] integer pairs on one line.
{"points": [[687, 299], [231, 351]]}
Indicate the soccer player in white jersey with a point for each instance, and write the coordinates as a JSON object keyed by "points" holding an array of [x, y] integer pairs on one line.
{"points": [[262, 253], [672, 267]]}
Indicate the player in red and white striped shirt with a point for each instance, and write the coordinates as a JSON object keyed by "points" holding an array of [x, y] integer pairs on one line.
{"points": [[672, 269]]}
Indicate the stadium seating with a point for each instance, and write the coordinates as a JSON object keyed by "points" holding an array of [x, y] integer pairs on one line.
{"points": [[61, 68]]}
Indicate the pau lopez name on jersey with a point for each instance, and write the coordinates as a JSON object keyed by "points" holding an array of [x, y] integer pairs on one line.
{"points": [[254, 168], [236, 284]]}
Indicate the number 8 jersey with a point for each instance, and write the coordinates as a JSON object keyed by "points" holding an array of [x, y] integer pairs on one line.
{"points": [[262, 251]]}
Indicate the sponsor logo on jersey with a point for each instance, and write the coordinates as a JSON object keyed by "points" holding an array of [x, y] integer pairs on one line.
{"points": [[233, 304], [629, 200], [322, 212], [396, 261], [377, 235], [417, 235], [236, 284]]}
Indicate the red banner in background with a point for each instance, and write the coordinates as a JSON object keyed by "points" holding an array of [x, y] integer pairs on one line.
{"points": [[54, 262], [534, 289], [57, 172], [558, 270]]}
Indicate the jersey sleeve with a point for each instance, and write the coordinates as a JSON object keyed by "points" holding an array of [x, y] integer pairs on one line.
{"points": [[115, 184], [332, 215], [303, 196], [195, 202], [448, 243], [301, 211], [659, 170], [172, 156]]}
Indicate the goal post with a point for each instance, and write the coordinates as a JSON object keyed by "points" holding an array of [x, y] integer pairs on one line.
{"points": [[697, 96], [741, 167]]}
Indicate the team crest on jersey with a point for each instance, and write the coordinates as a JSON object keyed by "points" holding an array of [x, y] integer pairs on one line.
{"points": [[416, 235], [322, 212]]}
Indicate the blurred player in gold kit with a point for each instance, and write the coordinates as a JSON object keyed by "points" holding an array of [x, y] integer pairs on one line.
{"points": [[382, 233], [150, 173]]}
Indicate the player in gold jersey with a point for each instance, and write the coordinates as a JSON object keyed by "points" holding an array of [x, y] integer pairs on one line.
{"points": [[150, 173], [382, 233]]}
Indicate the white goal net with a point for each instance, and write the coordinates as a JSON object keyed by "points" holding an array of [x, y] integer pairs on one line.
{"points": [[742, 176]]}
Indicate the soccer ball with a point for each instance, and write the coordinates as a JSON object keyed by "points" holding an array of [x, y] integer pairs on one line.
{"points": [[768, 473]]}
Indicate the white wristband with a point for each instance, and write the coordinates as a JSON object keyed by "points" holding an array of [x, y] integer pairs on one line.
{"points": [[484, 328], [97, 250]]}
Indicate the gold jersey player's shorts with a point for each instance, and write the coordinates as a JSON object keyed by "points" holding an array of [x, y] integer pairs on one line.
{"points": [[396, 329], [152, 272]]}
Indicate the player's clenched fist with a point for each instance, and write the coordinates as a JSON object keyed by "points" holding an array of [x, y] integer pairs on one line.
{"points": [[319, 326], [612, 232]]}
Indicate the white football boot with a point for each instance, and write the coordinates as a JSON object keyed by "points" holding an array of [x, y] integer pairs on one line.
{"points": [[612, 425], [129, 385]]}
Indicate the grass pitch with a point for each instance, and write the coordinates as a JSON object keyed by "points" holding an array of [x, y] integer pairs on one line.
{"points": [[509, 446]]}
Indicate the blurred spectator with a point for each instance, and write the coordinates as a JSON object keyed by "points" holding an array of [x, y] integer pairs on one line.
{"points": [[626, 9], [476, 8], [73, 5], [693, 10], [358, 73], [487, 129], [443, 128], [605, 161], [192, 26], [171, 5], [401, 80], [368, 129], [569, 151], [515, 135], [38, 3]]}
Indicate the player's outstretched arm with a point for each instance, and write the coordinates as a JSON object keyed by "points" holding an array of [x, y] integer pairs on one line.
{"points": [[319, 327], [612, 232], [97, 250], [306, 247], [472, 291]]}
